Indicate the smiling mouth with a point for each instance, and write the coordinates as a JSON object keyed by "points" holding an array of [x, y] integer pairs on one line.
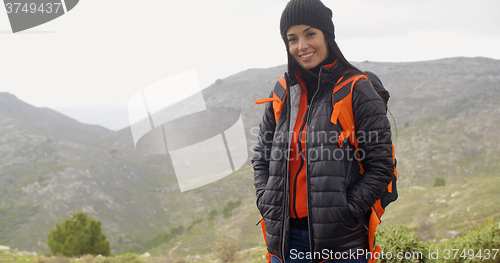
{"points": [[307, 55]]}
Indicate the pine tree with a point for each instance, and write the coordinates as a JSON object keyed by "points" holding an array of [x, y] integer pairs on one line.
{"points": [[78, 235]]}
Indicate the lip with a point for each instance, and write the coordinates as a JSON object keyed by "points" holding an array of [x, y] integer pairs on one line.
{"points": [[307, 58]]}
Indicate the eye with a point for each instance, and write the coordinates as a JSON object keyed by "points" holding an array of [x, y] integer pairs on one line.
{"points": [[292, 39], [309, 34]]}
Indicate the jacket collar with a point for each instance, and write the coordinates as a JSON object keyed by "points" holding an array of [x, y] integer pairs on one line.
{"points": [[332, 71]]}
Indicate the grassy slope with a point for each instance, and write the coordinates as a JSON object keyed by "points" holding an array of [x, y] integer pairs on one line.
{"points": [[241, 225], [456, 206]]}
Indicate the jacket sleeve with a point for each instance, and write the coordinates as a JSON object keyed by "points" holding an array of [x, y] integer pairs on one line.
{"points": [[262, 152], [373, 132]]}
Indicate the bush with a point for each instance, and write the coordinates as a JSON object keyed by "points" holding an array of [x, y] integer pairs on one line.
{"points": [[124, 258], [227, 211], [472, 246], [477, 245], [177, 231], [212, 214], [439, 182], [78, 235], [195, 222], [159, 239], [400, 243], [226, 248]]}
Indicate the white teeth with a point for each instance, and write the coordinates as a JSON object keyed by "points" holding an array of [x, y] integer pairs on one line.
{"points": [[306, 56]]}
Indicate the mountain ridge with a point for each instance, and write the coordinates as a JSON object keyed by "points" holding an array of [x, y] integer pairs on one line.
{"points": [[11, 106]]}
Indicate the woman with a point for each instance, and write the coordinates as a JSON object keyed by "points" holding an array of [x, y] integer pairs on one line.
{"points": [[316, 206]]}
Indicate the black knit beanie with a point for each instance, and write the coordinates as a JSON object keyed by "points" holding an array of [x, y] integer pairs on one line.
{"points": [[306, 12]]}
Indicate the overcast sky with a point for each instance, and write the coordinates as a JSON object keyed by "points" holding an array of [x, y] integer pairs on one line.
{"points": [[103, 52]]}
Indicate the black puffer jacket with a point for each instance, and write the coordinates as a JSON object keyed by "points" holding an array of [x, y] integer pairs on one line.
{"points": [[339, 197]]}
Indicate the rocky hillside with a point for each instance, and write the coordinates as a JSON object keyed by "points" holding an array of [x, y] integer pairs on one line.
{"points": [[51, 165]]}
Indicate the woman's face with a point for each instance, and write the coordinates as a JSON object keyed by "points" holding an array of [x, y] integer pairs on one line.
{"points": [[307, 45]]}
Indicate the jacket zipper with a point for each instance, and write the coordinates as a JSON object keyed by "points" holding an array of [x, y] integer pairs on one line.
{"points": [[286, 204], [307, 168]]}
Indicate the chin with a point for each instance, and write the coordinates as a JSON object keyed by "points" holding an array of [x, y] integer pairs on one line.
{"points": [[310, 66]]}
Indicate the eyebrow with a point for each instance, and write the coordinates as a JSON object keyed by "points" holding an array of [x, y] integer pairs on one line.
{"points": [[302, 31]]}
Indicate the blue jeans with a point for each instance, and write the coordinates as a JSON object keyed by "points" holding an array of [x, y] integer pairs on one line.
{"points": [[299, 249]]}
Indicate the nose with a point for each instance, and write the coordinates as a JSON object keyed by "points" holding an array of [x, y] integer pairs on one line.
{"points": [[302, 45]]}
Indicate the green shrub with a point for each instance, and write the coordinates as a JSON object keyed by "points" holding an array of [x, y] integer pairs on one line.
{"points": [[177, 231], [197, 221], [439, 182], [78, 235], [159, 239], [212, 214], [399, 244], [474, 246], [226, 248], [227, 211], [478, 245]]}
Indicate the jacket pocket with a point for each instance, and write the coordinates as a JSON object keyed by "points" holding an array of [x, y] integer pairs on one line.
{"points": [[348, 217], [260, 196], [352, 170]]}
